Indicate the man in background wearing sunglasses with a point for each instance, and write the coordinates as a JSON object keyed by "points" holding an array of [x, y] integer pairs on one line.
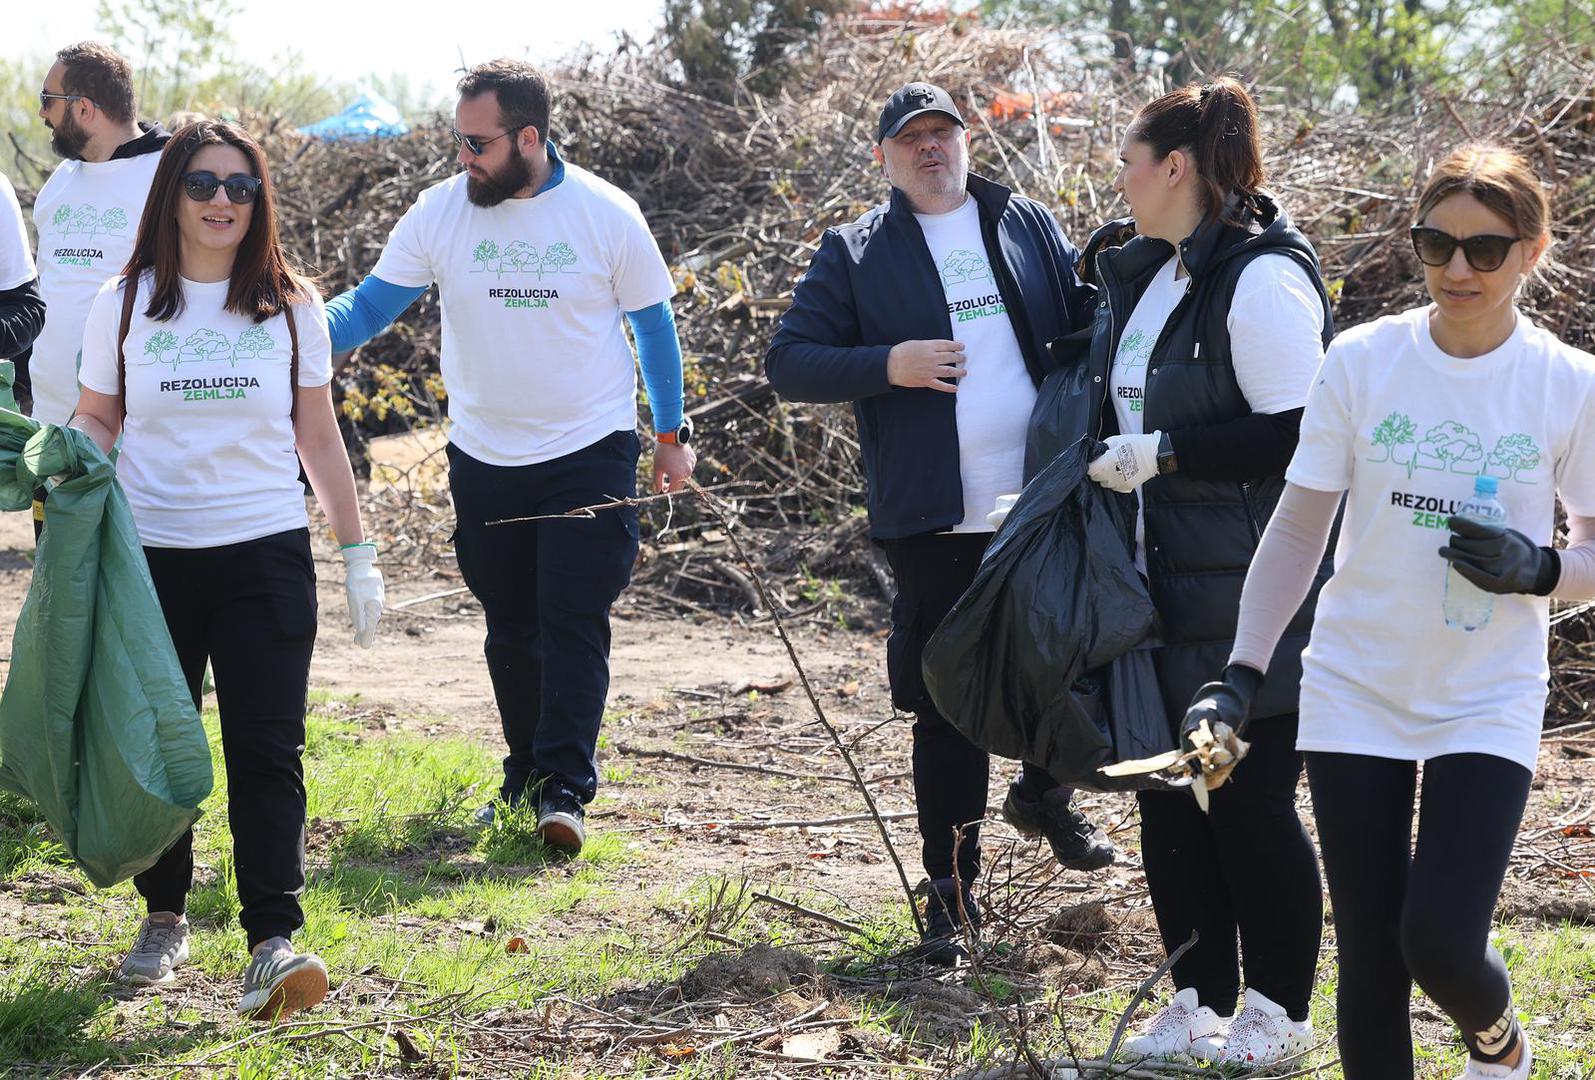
{"points": [[535, 261], [87, 213]]}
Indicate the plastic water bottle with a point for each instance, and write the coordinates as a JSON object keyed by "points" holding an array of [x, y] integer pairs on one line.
{"points": [[1466, 605]]}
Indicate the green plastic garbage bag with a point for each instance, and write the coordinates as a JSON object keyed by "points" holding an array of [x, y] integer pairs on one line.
{"points": [[8, 379], [96, 723]]}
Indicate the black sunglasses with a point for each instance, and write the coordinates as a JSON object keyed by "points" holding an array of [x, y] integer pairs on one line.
{"points": [[45, 97], [1483, 252], [201, 186], [474, 143]]}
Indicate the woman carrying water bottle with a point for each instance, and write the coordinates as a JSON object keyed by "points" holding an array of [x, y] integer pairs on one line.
{"points": [[1409, 415]]}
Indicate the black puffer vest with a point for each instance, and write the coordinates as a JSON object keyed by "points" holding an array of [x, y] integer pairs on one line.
{"points": [[1200, 534]]}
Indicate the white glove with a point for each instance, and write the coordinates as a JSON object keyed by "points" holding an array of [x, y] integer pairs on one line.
{"points": [[362, 583], [1130, 461], [1000, 515]]}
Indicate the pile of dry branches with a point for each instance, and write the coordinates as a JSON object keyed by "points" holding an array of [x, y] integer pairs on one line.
{"points": [[739, 193]]}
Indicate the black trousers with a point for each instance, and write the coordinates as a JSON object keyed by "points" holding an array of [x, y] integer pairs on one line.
{"points": [[1421, 911], [950, 772], [1246, 867], [250, 609], [546, 588]]}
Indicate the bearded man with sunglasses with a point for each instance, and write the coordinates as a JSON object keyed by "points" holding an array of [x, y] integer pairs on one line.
{"points": [[87, 213], [535, 261]]}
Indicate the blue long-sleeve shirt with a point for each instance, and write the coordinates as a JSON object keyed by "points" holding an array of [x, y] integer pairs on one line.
{"points": [[358, 315]]}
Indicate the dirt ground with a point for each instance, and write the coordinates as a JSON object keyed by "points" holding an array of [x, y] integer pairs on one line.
{"points": [[688, 680], [714, 764]]}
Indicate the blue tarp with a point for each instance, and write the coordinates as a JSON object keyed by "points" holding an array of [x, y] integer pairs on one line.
{"points": [[369, 116]]}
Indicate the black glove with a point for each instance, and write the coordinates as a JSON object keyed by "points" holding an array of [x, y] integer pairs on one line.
{"points": [[1500, 560], [1228, 701]]}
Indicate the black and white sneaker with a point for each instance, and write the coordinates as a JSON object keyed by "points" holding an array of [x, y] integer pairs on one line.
{"points": [[1075, 841], [561, 820]]}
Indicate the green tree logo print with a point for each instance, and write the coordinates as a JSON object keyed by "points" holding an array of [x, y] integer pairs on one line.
{"points": [[85, 221], [519, 257], [1449, 445], [251, 343], [1134, 349], [556, 258], [964, 265], [485, 257], [202, 346], [1512, 455], [1395, 430], [159, 344]]}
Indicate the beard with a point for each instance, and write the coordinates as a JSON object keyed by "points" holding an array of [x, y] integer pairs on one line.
{"points": [[495, 187], [67, 139]]}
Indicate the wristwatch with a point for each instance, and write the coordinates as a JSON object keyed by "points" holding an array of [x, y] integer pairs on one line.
{"points": [[1166, 462], [679, 437]]}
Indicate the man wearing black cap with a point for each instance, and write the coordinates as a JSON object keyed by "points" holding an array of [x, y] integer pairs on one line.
{"points": [[931, 314]]}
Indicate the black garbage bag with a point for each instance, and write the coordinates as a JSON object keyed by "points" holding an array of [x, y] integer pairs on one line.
{"points": [[1038, 660], [1063, 404]]}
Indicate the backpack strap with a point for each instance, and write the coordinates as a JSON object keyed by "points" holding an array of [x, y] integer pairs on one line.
{"points": [[129, 298], [293, 364]]}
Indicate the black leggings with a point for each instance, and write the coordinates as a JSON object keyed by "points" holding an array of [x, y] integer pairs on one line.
{"points": [[1406, 911], [1245, 867]]}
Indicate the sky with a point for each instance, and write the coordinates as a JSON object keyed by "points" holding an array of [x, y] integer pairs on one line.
{"points": [[342, 39]]}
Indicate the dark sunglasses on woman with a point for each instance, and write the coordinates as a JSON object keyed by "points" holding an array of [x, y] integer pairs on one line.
{"points": [[201, 186], [1484, 252]]}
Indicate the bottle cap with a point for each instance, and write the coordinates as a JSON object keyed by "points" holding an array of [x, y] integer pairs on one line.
{"points": [[1485, 485]]}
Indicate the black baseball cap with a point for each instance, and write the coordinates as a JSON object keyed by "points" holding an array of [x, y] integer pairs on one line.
{"points": [[915, 99]]}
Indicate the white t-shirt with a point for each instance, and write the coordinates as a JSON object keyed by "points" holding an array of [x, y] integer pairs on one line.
{"points": [[996, 394], [208, 452], [535, 361], [1406, 428], [1276, 326], [16, 256], [87, 218]]}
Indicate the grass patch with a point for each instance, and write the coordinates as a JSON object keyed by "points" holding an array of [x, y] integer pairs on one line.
{"points": [[404, 892], [412, 906], [43, 1013]]}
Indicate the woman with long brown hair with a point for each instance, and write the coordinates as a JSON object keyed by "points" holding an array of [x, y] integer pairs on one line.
{"points": [[1449, 430], [210, 358], [1212, 319]]}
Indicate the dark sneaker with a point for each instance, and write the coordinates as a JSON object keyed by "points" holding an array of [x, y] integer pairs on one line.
{"points": [[161, 948], [280, 982], [944, 941], [488, 813], [561, 821], [1076, 843]]}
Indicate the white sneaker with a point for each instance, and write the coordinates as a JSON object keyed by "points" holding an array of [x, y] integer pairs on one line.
{"points": [[1478, 1070], [1175, 1029], [1260, 1035]]}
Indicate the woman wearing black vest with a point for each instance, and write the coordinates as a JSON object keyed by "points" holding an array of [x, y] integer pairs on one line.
{"points": [[1210, 324]]}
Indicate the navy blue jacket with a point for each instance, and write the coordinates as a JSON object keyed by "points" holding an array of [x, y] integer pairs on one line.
{"points": [[873, 284]]}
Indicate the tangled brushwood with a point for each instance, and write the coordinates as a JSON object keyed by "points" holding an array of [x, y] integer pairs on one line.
{"points": [[739, 191]]}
